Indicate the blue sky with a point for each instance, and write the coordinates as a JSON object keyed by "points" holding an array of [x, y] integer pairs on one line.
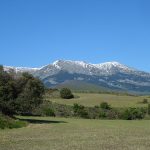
{"points": [[37, 32]]}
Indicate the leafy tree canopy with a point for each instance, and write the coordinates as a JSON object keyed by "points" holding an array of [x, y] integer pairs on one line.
{"points": [[66, 93], [19, 94]]}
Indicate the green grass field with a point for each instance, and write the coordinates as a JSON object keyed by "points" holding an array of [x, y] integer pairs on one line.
{"points": [[45, 133], [92, 99]]}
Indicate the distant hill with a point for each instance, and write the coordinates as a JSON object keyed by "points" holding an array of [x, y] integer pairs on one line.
{"points": [[76, 85]]}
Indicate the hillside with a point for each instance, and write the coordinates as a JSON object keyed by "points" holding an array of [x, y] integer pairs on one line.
{"points": [[79, 86], [109, 75], [93, 99]]}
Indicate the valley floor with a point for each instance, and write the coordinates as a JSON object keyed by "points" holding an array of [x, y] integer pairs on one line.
{"points": [[46, 133]]}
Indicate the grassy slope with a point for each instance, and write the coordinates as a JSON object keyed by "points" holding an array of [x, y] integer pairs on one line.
{"points": [[78, 134], [89, 99], [75, 85]]}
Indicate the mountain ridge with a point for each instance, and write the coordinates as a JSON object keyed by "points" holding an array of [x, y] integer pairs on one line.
{"points": [[82, 63], [112, 75]]}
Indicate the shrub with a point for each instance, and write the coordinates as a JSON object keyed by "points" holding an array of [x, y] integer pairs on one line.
{"points": [[80, 111], [7, 122], [109, 113], [105, 105], [133, 113], [148, 111], [93, 113], [102, 114], [66, 93], [48, 108], [49, 112], [113, 114], [19, 94], [145, 101]]}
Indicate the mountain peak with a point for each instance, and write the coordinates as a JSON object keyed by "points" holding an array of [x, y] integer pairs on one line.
{"points": [[112, 75], [81, 67], [114, 63], [113, 67], [68, 61]]}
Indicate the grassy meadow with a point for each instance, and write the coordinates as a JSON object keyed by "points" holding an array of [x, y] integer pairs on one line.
{"points": [[46, 133], [92, 99], [54, 133]]}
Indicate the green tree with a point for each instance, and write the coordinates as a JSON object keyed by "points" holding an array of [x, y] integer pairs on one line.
{"points": [[7, 92], [66, 93], [80, 111], [31, 94], [105, 105], [19, 94]]}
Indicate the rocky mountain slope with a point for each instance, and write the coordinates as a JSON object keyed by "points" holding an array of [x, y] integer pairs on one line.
{"points": [[112, 75]]}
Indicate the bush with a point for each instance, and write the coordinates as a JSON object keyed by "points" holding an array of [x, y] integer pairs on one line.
{"points": [[145, 101], [66, 93], [19, 94], [102, 114], [104, 105], [49, 112], [133, 113], [7, 122], [113, 114], [53, 109], [80, 111], [93, 113], [148, 111]]}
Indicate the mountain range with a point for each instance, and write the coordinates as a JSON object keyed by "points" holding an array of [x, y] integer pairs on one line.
{"points": [[109, 75]]}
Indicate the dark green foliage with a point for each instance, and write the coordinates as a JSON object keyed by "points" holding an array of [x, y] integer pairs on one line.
{"points": [[31, 94], [102, 114], [7, 122], [49, 112], [93, 113], [145, 101], [148, 111], [126, 113], [63, 110], [66, 93], [19, 94], [110, 113], [113, 114], [8, 92], [80, 111], [133, 113], [48, 108], [105, 105]]}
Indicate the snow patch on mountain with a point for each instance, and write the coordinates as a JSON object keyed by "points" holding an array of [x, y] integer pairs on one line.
{"points": [[112, 75], [114, 67], [79, 67], [20, 69]]}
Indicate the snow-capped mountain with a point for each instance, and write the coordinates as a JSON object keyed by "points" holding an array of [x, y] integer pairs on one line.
{"points": [[114, 67], [82, 67], [111, 75], [21, 69]]}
